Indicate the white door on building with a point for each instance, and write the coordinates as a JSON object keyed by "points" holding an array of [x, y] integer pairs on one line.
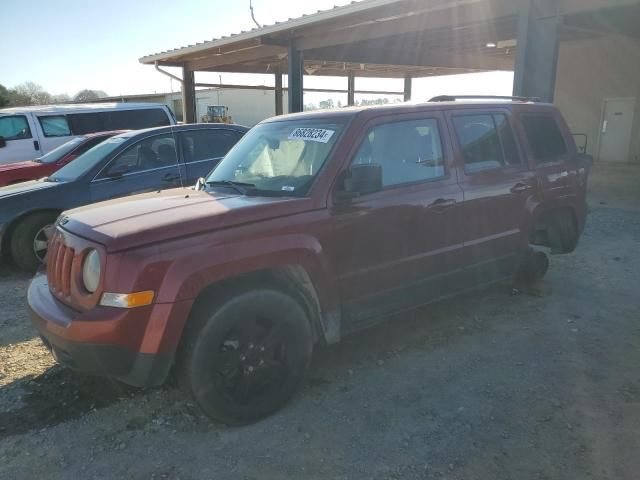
{"points": [[615, 129]]}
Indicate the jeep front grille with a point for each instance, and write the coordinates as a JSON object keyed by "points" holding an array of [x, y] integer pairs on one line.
{"points": [[59, 261]]}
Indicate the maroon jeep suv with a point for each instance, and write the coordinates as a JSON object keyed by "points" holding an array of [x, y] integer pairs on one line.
{"points": [[313, 226]]}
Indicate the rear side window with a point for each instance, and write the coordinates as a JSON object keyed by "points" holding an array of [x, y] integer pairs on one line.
{"points": [[14, 127], [83, 123], [55, 126], [136, 119], [545, 138], [409, 151], [207, 144], [89, 144], [487, 142]]}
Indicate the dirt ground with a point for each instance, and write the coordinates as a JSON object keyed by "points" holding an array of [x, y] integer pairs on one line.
{"points": [[490, 386]]}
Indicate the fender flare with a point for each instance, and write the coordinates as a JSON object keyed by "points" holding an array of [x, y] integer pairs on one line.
{"points": [[298, 255]]}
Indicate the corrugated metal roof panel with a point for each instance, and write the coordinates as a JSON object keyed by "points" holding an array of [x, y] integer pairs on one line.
{"points": [[304, 20]]}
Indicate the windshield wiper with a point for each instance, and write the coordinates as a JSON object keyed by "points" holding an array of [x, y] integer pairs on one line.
{"points": [[238, 186]]}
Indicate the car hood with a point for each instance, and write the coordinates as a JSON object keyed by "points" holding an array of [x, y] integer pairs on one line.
{"points": [[18, 165], [26, 187], [131, 222]]}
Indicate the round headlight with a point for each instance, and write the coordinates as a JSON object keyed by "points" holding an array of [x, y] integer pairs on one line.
{"points": [[91, 271]]}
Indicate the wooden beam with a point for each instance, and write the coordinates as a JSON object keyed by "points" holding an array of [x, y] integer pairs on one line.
{"points": [[213, 60], [407, 89], [351, 89], [295, 79], [537, 58], [279, 99], [419, 57], [188, 96], [269, 88]]}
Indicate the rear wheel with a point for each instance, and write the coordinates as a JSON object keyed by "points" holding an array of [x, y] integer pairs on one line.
{"points": [[244, 358], [29, 241]]}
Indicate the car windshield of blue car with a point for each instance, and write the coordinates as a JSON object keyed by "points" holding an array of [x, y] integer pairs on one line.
{"points": [[88, 160]]}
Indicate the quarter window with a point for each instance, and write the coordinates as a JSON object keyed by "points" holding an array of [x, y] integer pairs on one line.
{"points": [[14, 127], [486, 141], [408, 151], [55, 126], [544, 137], [207, 144]]}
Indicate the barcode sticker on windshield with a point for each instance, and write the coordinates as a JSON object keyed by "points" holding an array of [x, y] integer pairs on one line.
{"points": [[312, 134]]}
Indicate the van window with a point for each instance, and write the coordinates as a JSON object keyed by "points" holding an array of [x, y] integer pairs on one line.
{"points": [[55, 126], [136, 119], [486, 141], [408, 151], [91, 122], [83, 123], [14, 127], [207, 144], [544, 137]]}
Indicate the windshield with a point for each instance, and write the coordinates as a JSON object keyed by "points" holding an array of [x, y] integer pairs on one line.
{"points": [[279, 158], [57, 153], [87, 160]]}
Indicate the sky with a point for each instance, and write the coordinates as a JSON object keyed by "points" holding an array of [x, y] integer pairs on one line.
{"points": [[69, 45]]}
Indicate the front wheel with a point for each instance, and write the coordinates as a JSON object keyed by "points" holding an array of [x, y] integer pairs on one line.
{"points": [[29, 241], [243, 359]]}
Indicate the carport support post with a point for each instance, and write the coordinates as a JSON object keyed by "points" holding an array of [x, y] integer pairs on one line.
{"points": [[296, 93], [537, 53], [351, 89], [407, 89], [188, 96], [279, 99]]}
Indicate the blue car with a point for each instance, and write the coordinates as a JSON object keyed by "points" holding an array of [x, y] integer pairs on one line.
{"points": [[129, 163]]}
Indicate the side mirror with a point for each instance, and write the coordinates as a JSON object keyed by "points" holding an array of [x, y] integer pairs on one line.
{"points": [[118, 171], [3, 142], [200, 183], [584, 160], [360, 180]]}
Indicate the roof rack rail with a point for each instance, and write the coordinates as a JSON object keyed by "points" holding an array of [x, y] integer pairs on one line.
{"points": [[453, 98]]}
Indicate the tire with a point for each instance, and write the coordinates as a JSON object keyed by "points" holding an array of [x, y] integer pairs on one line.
{"points": [[23, 240], [245, 357], [561, 230]]}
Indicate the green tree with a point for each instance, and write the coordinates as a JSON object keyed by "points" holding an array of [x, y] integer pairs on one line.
{"points": [[87, 95], [4, 96], [30, 93]]}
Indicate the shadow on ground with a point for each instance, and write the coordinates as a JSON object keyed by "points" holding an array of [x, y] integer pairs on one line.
{"points": [[56, 396]]}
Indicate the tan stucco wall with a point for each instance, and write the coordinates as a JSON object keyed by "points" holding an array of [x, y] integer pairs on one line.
{"points": [[592, 70]]}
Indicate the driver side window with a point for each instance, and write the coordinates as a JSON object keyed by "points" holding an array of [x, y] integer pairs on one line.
{"points": [[149, 154], [409, 151]]}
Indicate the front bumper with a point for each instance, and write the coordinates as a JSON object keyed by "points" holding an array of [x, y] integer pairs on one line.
{"points": [[101, 342]]}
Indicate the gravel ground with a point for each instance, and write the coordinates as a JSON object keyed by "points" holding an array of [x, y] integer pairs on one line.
{"points": [[490, 386]]}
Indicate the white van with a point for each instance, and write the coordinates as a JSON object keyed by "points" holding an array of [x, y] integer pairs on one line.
{"points": [[30, 132]]}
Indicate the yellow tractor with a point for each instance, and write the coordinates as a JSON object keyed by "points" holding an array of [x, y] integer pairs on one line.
{"points": [[217, 114]]}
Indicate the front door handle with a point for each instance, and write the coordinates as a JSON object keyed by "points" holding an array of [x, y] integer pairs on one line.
{"points": [[442, 204], [170, 177], [36, 145], [521, 187]]}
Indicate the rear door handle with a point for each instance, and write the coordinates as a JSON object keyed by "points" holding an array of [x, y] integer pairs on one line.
{"points": [[442, 204], [521, 187], [36, 145]]}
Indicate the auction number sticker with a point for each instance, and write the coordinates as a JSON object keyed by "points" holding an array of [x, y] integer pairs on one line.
{"points": [[312, 134]]}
